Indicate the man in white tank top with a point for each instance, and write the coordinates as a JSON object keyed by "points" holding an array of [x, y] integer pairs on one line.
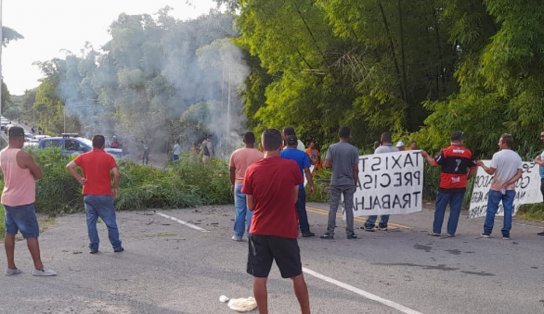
{"points": [[20, 172]]}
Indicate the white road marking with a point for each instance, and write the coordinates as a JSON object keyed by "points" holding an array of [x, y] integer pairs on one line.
{"points": [[190, 225], [360, 292]]}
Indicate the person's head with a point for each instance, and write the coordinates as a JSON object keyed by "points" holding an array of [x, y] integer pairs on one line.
{"points": [[312, 144], [413, 145], [400, 145], [457, 137], [291, 140], [271, 140], [506, 141], [16, 136], [542, 136], [344, 133], [99, 141], [386, 138], [249, 138]]}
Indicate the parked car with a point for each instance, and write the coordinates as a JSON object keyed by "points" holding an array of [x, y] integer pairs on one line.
{"points": [[75, 145]]}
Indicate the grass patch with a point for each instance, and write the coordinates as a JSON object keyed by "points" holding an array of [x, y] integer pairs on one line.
{"points": [[533, 212]]}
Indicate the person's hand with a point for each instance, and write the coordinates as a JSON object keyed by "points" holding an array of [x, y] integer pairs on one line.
{"points": [[480, 163], [311, 188], [424, 154], [114, 192], [82, 180], [232, 189]]}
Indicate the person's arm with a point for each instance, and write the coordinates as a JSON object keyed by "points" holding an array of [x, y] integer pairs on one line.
{"points": [[429, 158], [310, 180], [72, 169], [539, 161], [232, 171], [472, 172], [295, 194], [25, 161], [249, 202], [487, 169], [355, 171], [514, 179], [115, 186]]}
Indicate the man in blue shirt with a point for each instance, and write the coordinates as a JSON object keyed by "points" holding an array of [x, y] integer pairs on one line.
{"points": [[303, 162]]}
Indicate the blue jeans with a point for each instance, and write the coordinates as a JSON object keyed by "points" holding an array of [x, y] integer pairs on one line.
{"points": [[242, 218], [493, 200], [101, 206], [21, 218], [455, 199], [371, 221], [301, 210]]}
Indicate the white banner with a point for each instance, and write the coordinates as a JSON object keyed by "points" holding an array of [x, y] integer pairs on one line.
{"points": [[391, 183], [527, 190]]}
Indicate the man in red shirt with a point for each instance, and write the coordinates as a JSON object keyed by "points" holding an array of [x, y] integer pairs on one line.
{"points": [[458, 165], [271, 188], [98, 193]]}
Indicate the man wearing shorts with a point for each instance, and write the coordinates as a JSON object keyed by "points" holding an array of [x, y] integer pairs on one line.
{"points": [[98, 192], [271, 186], [20, 175]]}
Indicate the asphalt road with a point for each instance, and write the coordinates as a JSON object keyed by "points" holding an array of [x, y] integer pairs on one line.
{"points": [[169, 267]]}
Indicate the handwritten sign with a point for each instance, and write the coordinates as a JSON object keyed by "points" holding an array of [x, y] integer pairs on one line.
{"points": [[527, 190], [391, 183]]}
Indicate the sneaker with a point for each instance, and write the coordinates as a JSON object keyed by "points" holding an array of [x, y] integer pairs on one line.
{"points": [[119, 249], [11, 272], [541, 233], [382, 228], [327, 236], [434, 234], [308, 234], [368, 228], [351, 236], [93, 251], [43, 272], [486, 236], [506, 238], [236, 238], [450, 235]]}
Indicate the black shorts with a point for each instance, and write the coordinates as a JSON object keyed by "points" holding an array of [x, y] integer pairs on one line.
{"points": [[264, 249]]}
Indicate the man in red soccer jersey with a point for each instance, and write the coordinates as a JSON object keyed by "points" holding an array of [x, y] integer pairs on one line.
{"points": [[98, 192], [458, 165], [271, 188]]}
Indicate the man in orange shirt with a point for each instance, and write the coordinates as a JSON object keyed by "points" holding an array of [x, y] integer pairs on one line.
{"points": [[98, 193], [20, 175]]}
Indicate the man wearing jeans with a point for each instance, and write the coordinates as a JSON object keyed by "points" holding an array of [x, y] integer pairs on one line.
{"points": [[20, 175], [457, 166], [240, 159], [506, 168], [343, 158], [98, 193], [539, 160], [385, 147]]}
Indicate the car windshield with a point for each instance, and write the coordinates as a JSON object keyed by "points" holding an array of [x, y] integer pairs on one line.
{"points": [[85, 141]]}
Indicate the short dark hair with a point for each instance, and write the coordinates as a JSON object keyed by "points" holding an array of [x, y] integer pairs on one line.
{"points": [[508, 139], [16, 132], [344, 132], [457, 136], [271, 139], [249, 138], [289, 130], [98, 141], [386, 137]]}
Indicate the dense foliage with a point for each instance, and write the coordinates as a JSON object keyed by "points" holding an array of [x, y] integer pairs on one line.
{"points": [[186, 183]]}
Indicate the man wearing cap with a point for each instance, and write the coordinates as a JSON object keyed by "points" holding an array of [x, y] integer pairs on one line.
{"points": [[239, 160], [303, 161], [385, 147], [20, 175], [289, 130], [457, 166]]}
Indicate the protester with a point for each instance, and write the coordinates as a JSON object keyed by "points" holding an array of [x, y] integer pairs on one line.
{"points": [[343, 158], [539, 160], [413, 145], [176, 151], [271, 186], [506, 168], [457, 166], [115, 142], [400, 145], [303, 161], [291, 131], [206, 151], [385, 147], [19, 195], [240, 159], [313, 153], [145, 156], [376, 145], [98, 193]]}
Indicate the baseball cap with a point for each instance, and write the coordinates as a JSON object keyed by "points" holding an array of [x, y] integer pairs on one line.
{"points": [[292, 139], [16, 131], [400, 144]]}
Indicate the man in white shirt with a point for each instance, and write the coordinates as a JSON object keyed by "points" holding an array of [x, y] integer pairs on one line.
{"points": [[506, 168]]}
